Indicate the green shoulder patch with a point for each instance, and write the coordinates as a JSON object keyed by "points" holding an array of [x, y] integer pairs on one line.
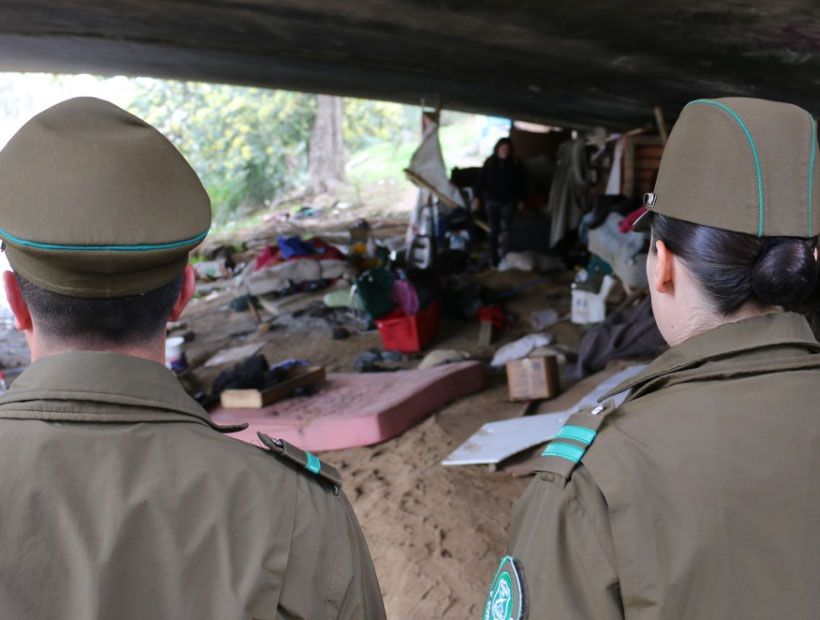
{"points": [[288, 452], [567, 448], [507, 599]]}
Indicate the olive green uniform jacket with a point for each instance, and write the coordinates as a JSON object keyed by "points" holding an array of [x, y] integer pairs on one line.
{"points": [[120, 500], [699, 498]]}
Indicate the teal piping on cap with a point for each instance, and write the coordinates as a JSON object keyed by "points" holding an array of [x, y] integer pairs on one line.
{"points": [[564, 451], [746, 131], [314, 465], [127, 248], [811, 170], [577, 433]]}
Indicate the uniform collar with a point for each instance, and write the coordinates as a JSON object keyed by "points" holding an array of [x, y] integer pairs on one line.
{"points": [[728, 340], [136, 390]]}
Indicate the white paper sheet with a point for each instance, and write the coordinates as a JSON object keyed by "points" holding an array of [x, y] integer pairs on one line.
{"points": [[496, 441]]}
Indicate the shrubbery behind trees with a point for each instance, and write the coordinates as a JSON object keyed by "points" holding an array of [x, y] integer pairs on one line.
{"points": [[250, 145]]}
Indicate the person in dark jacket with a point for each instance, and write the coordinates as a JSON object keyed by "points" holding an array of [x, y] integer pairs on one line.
{"points": [[501, 188]]}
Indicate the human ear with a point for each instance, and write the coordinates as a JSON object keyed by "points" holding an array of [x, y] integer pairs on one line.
{"points": [[22, 316], [662, 280], [185, 293]]}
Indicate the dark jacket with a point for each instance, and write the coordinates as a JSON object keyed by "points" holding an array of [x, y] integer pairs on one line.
{"points": [[502, 180]]}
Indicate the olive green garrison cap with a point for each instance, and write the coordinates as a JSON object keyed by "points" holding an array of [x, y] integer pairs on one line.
{"points": [[741, 164], [94, 202]]}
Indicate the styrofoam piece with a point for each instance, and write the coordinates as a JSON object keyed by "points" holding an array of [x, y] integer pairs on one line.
{"points": [[589, 307], [357, 409], [497, 441], [520, 348]]}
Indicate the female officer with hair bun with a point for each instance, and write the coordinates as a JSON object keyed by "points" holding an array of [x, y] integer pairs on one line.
{"points": [[698, 497]]}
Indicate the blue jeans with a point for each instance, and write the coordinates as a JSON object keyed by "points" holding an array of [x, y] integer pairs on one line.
{"points": [[499, 216]]}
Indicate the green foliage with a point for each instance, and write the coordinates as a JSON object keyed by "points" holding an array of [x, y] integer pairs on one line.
{"points": [[249, 145], [373, 122], [246, 144]]}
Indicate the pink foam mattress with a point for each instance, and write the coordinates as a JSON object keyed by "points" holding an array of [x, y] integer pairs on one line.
{"points": [[357, 409]]}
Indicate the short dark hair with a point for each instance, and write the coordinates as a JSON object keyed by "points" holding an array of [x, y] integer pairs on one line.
{"points": [[119, 320], [735, 268]]}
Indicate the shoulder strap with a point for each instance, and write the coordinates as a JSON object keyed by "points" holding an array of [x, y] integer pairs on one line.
{"points": [[565, 450], [288, 452]]}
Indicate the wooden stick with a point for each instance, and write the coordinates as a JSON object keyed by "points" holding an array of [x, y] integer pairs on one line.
{"points": [[251, 307], [416, 179], [661, 124]]}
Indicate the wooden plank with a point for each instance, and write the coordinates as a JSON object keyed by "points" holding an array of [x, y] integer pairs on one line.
{"points": [[649, 150], [256, 399], [485, 334], [420, 181], [662, 130], [481, 224], [644, 174], [645, 140], [647, 161], [628, 188]]}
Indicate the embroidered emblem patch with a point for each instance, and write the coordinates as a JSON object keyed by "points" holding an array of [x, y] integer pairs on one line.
{"points": [[506, 600]]}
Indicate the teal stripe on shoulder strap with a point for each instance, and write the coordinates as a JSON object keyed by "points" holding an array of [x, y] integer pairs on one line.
{"points": [[755, 155], [577, 433], [564, 451], [313, 465]]}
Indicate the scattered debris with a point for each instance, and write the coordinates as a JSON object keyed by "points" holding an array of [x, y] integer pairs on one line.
{"points": [[520, 348], [629, 334], [244, 302], [234, 354], [542, 319], [409, 333], [369, 360], [441, 357], [175, 358], [211, 270], [345, 297], [340, 333], [589, 302], [530, 261], [276, 385]]}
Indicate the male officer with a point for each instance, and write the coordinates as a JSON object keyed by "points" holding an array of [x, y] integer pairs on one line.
{"points": [[120, 499]]}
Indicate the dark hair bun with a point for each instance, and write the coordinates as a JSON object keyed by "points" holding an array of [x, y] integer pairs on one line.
{"points": [[785, 272]]}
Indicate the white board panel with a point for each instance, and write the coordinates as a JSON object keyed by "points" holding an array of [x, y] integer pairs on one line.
{"points": [[496, 441]]}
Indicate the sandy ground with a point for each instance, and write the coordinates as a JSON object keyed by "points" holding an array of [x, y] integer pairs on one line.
{"points": [[436, 533]]}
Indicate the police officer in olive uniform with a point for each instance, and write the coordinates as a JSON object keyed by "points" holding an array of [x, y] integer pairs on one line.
{"points": [[698, 497], [120, 498]]}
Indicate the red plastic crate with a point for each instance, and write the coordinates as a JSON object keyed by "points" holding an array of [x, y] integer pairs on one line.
{"points": [[409, 334]]}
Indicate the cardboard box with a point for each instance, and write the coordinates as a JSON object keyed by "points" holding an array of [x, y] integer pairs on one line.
{"points": [[533, 377]]}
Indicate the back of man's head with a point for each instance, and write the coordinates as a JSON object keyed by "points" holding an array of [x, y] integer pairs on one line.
{"points": [[98, 215], [99, 323]]}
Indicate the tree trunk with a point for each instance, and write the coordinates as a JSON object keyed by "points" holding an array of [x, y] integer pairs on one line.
{"points": [[326, 159]]}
